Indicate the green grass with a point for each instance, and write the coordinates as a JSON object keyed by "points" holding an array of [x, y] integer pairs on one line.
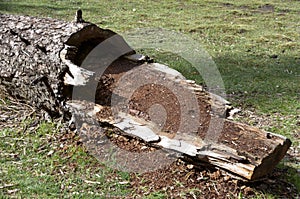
{"points": [[241, 37], [36, 165], [255, 47]]}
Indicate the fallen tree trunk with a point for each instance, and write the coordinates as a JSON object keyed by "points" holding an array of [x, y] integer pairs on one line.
{"points": [[37, 54], [48, 62]]}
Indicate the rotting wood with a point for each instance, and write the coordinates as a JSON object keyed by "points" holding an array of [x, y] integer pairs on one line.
{"points": [[241, 162], [38, 54], [243, 150], [42, 61]]}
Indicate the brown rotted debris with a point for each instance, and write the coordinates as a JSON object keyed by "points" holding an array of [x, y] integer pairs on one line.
{"points": [[79, 69]]}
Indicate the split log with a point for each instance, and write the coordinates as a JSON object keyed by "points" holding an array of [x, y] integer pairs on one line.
{"points": [[37, 53], [48, 62], [240, 149]]}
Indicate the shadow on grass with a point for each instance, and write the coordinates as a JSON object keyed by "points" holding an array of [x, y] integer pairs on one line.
{"points": [[283, 182], [38, 9], [264, 83], [269, 82]]}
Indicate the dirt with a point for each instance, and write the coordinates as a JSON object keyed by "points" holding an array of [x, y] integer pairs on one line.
{"points": [[180, 180], [250, 117], [264, 8], [170, 101], [177, 180], [232, 135]]}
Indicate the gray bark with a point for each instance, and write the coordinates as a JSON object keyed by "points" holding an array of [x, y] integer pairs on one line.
{"points": [[36, 54]]}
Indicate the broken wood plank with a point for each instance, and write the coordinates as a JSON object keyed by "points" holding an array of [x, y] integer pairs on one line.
{"points": [[243, 161]]}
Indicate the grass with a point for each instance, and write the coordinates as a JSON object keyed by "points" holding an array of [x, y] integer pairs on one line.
{"points": [[37, 165], [256, 50], [255, 45]]}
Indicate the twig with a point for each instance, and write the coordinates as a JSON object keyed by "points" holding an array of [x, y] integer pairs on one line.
{"points": [[3, 101], [7, 186], [216, 189], [92, 182]]}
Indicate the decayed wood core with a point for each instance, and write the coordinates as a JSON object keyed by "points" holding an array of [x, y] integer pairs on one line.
{"points": [[48, 62]]}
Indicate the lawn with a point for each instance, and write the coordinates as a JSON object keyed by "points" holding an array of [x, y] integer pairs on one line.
{"points": [[254, 44]]}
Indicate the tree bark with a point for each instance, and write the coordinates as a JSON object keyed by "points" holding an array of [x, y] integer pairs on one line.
{"points": [[37, 53], [49, 63]]}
